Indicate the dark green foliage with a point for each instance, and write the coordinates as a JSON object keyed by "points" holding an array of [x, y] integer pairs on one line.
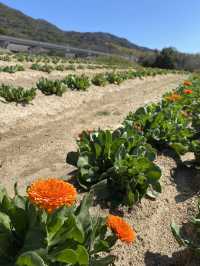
{"points": [[132, 178], [75, 82], [12, 69], [99, 80], [119, 157], [163, 126], [114, 78], [44, 68], [18, 95], [50, 87]]}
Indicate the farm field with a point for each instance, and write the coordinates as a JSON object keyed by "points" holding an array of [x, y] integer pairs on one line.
{"points": [[36, 137]]}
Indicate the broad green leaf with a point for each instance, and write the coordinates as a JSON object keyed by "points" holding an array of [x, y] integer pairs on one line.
{"points": [[66, 256], [5, 222], [82, 255], [177, 234], [30, 258]]}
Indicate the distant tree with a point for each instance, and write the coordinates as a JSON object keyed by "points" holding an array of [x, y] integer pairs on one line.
{"points": [[167, 58]]}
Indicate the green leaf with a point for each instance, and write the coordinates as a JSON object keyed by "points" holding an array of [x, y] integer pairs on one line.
{"points": [[66, 256], [83, 256], [83, 214], [72, 158], [55, 222], [82, 161], [30, 258], [3, 193], [177, 234], [5, 222], [179, 148]]}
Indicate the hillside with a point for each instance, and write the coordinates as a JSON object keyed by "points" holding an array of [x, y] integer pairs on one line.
{"points": [[17, 24]]}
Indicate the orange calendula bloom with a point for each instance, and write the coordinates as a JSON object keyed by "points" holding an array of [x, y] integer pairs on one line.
{"points": [[123, 230], [187, 91], [174, 97], [51, 193], [187, 83]]}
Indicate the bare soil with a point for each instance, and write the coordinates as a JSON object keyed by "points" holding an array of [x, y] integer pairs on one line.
{"points": [[35, 139]]}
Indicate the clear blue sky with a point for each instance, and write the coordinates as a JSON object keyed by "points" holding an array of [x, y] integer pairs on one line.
{"points": [[150, 23]]}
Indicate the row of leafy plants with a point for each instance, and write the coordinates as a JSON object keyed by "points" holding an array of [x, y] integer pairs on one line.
{"points": [[73, 82], [11, 69], [122, 161], [83, 82], [61, 67], [48, 227]]}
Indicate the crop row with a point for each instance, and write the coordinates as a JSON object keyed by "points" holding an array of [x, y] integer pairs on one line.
{"points": [[73, 82], [122, 162], [11, 69], [49, 68], [47, 226]]}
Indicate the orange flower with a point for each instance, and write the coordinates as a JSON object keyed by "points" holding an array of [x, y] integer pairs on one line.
{"points": [[174, 97], [187, 91], [187, 83], [123, 230], [51, 193]]}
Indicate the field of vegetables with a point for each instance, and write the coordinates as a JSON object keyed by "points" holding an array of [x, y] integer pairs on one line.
{"points": [[123, 191]]}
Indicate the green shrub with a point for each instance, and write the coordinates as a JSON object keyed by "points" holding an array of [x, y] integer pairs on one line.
{"points": [[132, 178], [99, 80], [114, 78], [101, 155], [12, 69], [49, 87], [44, 68], [18, 95], [163, 126], [60, 68], [75, 82]]}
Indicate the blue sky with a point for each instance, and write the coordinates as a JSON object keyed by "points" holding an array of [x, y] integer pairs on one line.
{"points": [[150, 23]]}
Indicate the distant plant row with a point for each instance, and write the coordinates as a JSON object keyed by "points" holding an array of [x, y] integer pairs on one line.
{"points": [[73, 82]]}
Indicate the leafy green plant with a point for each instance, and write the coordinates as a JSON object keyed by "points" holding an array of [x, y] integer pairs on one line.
{"points": [[114, 78], [12, 69], [75, 82], [29, 236], [101, 155], [44, 68], [18, 95], [99, 80], [132, 178], [60, 68], [49, 87], [163, 126]]}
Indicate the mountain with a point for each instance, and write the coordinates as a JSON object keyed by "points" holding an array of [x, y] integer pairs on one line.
{"points": [[15, 23]]}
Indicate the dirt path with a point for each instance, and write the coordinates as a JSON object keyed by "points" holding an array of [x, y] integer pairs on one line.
{"points": [[34, 141]]}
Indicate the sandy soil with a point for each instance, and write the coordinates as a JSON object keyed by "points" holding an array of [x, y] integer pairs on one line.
{"points": [[34, 141]]}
